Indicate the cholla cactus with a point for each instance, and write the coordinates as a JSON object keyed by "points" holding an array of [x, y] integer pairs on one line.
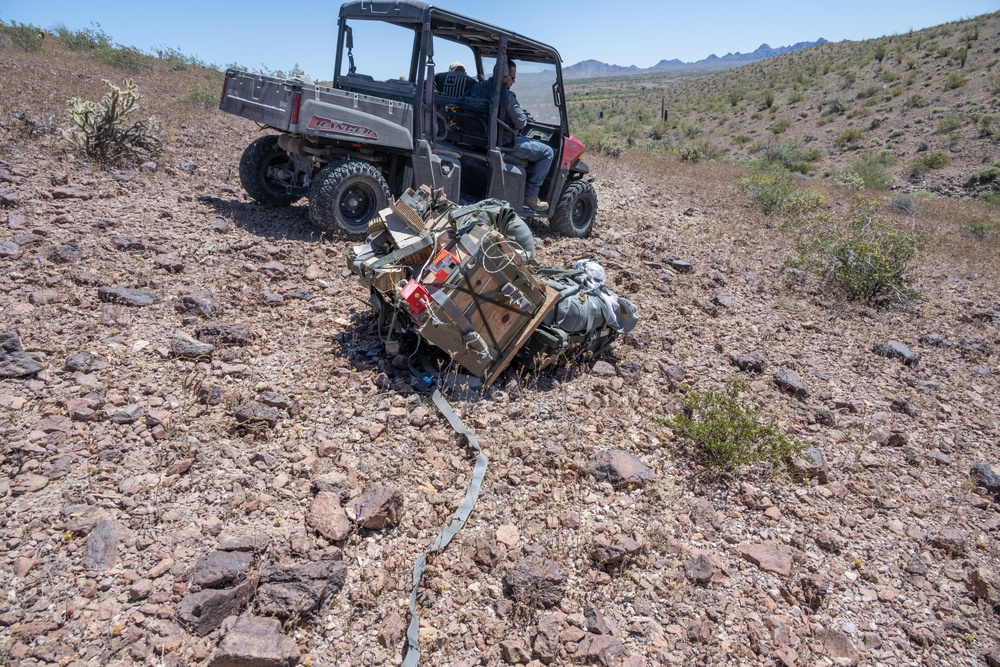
{"points": [[102, 130]]}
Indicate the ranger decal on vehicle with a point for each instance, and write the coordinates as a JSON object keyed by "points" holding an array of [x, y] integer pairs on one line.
{"points": [[340, 127]]}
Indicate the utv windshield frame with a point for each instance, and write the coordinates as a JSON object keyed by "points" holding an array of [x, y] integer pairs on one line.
{"points": [[427, 21]]}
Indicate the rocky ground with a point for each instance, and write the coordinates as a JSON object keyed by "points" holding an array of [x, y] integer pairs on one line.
{"points": [[287, 477]]}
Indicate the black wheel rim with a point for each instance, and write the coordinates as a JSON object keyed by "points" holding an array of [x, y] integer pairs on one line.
{"points": [[357, 205], [581, 214]]}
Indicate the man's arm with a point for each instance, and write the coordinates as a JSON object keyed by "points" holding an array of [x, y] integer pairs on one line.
{"points": [[515, 113]]}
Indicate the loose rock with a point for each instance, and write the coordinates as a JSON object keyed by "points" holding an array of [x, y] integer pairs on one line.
{"points": [[791, 382], [536, 581], [768, 556], [126, 296], [14, 361], [254, 642], [895, 350], [378, 506], [619, 468]]}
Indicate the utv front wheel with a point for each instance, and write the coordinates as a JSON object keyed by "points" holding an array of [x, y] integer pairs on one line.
{"points": [[345, 195], [576, 210], [266, 172]]}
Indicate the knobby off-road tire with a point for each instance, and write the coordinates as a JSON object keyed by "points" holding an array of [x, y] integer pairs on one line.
{"points": [[576, 210], [260, 166], [345, 195]]}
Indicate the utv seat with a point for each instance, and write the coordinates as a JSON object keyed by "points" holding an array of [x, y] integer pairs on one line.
{"points": [[453, 84]]}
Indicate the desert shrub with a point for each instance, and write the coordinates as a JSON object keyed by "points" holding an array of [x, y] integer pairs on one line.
{"points": [[729, 431], [954, 80], [608, 145], [949, 123], [768, 100], [780, 125], [768, 185], [205, 95], [795, 96], [869, 91], [904, 203], [701, 149], [915, 102], [85, 40], [98, 43], [126, 58], [833, 107], [880, 52], [741, 139], [849, 137], [871, 169], [793, 156], [865, 258], [981, 228], [987, 130], [104, 131], [849, 180], [25, 37], [176, 60], [927, 162], [989, 175]]}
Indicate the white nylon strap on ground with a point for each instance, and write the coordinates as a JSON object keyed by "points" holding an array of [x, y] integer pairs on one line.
{"points": [[457, 521]]}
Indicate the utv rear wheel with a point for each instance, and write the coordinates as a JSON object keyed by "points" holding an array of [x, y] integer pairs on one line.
{"points": [[345, 195], [576, 210], [266, 172]]}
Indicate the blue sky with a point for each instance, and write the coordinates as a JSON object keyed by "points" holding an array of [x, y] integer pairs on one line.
{"points": [[640, 32]]}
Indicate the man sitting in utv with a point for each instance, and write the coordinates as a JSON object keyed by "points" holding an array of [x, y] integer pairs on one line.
{"points": [[538, 154]]}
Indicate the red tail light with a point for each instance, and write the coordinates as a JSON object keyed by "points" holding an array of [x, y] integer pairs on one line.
{"points": [[572, 149], [295, 108]]}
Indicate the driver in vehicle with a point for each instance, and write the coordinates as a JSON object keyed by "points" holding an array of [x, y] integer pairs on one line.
{"points": [[538, 154]]}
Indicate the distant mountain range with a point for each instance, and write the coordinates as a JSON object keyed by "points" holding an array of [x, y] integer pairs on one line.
{"points": [[589, 69]]}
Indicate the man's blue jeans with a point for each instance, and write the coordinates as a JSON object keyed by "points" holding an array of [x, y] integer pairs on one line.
{"points": [[540, 156]]}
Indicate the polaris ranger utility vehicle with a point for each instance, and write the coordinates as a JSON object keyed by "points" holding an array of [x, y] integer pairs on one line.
{"points": [[371, 134]]}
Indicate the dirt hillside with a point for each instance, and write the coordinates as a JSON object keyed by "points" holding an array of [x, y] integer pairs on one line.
{"points": [[136, 513]]}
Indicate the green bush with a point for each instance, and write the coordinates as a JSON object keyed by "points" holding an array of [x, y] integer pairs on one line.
{"points": [[915, 102], [869, 91], [85, 40], [26, 37], [103, 131], [780, 125], [205, 95], [176, 60], [793, 156], [954, 80], [97, 43], [729, 431], [927, 162], [949, 123], [768, 185], [981, 228], [871, 169], [865, 258], [849, 137], [989, 175], [127, 58], [702, 149], [849, 180]]}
